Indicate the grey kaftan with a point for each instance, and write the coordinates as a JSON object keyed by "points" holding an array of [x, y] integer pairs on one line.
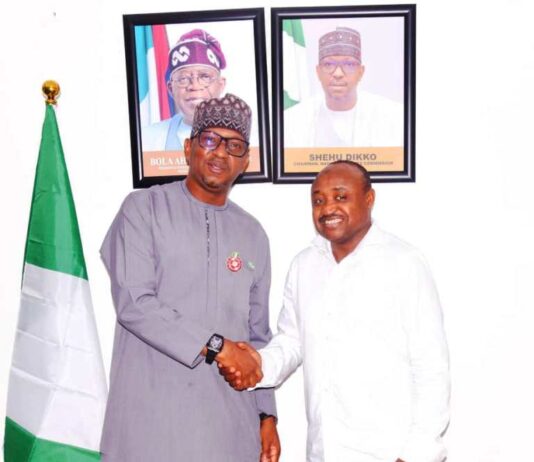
{"points": [[167, 255]]}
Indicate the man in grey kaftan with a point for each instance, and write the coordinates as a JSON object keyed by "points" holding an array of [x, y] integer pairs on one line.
{"points": [[181, 270]]}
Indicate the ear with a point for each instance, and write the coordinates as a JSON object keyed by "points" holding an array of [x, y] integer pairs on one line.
{"points": [[222, 81], [169, 87], [246, 162], [361, 71], [187, 149], [370, 198]]}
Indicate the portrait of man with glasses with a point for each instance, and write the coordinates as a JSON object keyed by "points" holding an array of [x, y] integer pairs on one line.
{"points": [[344, 115], [194, 75]]}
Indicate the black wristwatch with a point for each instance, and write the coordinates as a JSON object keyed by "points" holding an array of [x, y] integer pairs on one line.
{"points": [[215, 345]]}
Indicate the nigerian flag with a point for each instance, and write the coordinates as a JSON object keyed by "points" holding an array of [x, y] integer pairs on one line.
{"points": [[295, 66], [151, 54], [57, 387]]}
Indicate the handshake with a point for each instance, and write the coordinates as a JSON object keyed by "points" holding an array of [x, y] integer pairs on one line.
{"points": [[239, 364]]}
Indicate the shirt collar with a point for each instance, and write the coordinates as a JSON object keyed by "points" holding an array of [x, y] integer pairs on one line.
{"points": [[193, 199], [372, 237]]}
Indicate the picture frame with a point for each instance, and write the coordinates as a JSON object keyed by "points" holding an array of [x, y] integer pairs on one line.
{"points": [[343, 88], [159, 111]]}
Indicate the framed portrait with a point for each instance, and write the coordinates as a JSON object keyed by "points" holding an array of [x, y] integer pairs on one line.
{"points": [[176, 60], [344, 89]]}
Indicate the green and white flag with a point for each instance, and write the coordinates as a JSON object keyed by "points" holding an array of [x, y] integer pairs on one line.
{"points": [[57, 387], [295, 63]]}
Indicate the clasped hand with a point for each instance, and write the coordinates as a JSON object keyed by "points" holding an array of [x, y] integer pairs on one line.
{"points": [[239, 364]]}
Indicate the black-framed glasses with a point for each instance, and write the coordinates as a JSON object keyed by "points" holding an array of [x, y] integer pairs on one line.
{"points": [[233, 146], [347, 66], [202, 78]]}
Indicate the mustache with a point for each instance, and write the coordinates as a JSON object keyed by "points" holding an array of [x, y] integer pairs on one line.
{"points": [[217, 161]]}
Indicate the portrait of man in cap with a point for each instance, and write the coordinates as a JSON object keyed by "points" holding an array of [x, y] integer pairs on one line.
{"points": [[179, 62], [194, 75], [343, 114]]}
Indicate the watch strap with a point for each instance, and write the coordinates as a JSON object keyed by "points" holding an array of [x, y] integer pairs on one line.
{"points": [[214, 346], [210, 356]]}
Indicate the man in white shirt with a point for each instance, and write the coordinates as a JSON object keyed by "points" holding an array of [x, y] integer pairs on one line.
{"points": [[362, 316], [344, 116]]}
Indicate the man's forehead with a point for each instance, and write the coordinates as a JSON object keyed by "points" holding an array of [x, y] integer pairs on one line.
{"points": [[336, 177]]}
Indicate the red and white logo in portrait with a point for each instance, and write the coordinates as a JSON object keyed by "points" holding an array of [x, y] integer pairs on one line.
{"points": [[233, 262]]}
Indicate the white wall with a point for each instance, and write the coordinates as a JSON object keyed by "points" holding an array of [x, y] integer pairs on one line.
{"points": [[470, 210]]}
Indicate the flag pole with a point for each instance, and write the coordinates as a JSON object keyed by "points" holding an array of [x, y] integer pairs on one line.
{"points": [[57, 387], [51, 91]]}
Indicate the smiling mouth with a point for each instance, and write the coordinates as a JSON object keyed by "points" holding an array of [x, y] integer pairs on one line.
{"points": [[195, 101], [331, 221], [337, 87]]}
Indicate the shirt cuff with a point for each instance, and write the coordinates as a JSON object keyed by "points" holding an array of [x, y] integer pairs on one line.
{"points": [[268, 369]]}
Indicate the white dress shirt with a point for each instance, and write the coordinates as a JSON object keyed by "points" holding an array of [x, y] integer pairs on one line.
{"points": [[374, 121], [369, 333]]}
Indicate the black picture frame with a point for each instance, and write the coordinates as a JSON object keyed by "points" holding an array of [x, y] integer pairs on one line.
{"points": [[298, 159], [241, 33]]}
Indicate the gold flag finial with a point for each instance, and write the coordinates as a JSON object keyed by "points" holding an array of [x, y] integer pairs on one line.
{"points": [[51, 91]]}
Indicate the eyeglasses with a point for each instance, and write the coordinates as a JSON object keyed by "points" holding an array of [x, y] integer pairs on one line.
{"points": [[210, 140], [203, 78], [348, 67]]}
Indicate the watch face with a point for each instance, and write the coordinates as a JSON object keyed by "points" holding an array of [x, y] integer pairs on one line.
{"points": [[216, 342]]}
